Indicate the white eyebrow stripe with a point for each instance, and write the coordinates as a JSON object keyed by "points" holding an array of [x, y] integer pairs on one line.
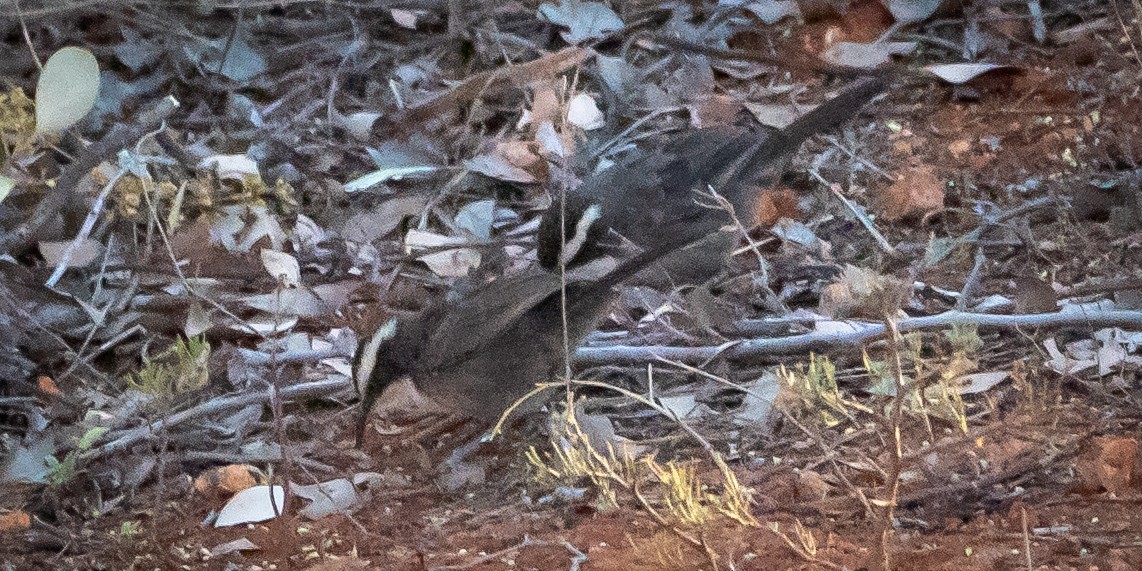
{"points": [[367, 355], [582, 226]]}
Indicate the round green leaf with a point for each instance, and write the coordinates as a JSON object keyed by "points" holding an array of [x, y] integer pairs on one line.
{"points": [[67, 89]]}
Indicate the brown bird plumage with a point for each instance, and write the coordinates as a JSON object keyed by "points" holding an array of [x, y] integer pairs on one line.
{"points": [[651, 194], [482, 353]]}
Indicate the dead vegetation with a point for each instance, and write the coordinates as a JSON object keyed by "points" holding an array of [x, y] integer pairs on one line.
{"points": [[923, 355]]}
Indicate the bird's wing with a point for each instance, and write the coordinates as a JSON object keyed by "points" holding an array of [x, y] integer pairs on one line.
{"points": [[468, 325]]}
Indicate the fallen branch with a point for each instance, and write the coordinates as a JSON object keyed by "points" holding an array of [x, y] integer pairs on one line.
{"points": [[744, 350], [121, 440], [863, 332]]}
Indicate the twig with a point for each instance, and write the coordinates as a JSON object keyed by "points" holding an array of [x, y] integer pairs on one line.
{"points": [[85, 230], [862, 217], [1026, 539], [27, 37], [755, 349], [121, 440], [895, 422]]}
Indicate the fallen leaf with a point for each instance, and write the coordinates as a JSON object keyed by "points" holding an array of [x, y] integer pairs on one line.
{"points": [[960, 73], [67, 89], [46, 385], [477, 217], [584, 20], [251, 505], [584, 113], [865, 56], [979, 382], [6, 186], [225, 480], [404, 18], [230, 167], [1108, 464], [266, 324], [378, 176], [916, 192], [327, 498], [512, 161], [448, 263], [241, 544], [912, 11], [365, 227], [774, 204], [15, 521], [84, 253], [773, 11], [282, 267], [360, 124], [772, 114]]}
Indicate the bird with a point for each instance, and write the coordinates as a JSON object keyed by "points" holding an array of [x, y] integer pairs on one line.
{"points": [[650, 195], [479, 354]]}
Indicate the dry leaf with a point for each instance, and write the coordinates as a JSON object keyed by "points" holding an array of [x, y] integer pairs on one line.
{"points": [[1108, 464], [225, 480], [282, 267], [512, 161], [15, 521], [584, 113], [773, 204], [84, 253], [251, 506], [916, 192], [47, 386]]}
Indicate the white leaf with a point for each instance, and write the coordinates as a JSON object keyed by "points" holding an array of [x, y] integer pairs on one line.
{"points": [[772, 114], [240, 544], [382, 175], [197, 320], [477, 218], [498, 167], [772, 11], [584, 113], [912, 11], [230, 167], [865, 56], [250, 506], [796, 232], [979, 382], [452, 263], [266, 325], [282, 266], [584, 20], [84, 253], [6, 186], [360, 124], [404, 18], [551, 144], [757, 405], [67, 89], [449, 263], [328, 498], [957, 73], [681, 405], [364, 227], [299, 301]]}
